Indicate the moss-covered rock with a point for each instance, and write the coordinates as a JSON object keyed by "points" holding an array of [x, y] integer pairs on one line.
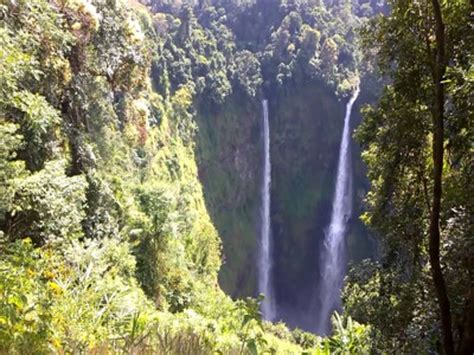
{"points": [[229, 155]]}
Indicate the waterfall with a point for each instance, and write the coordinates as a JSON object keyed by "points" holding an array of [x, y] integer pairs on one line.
{"points": [[265, 257], [333, 258]]}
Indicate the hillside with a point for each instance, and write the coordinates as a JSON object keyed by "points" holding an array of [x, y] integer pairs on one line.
{"points": [[132, 174]]}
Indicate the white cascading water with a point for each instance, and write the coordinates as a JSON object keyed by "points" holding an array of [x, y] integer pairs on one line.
{"points": [[333, 263], [265, 257]]}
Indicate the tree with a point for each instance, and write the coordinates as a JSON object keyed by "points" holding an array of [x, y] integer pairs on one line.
{"points": [[247, 72], [408, 149], [438, 64]]}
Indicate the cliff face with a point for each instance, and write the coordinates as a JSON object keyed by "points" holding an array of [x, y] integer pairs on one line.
{"points": [[306, 125], [229, 159], [307, 131], [305, 149]]}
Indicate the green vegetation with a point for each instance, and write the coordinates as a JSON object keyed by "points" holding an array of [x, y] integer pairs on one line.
{"points": [[100, 192], [230, 55], [105, 239], [123, 122], [418, 148]]}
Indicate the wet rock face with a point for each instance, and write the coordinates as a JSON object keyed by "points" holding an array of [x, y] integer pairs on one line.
{"points": [[306, 139], [242, 166], [229, 159]]}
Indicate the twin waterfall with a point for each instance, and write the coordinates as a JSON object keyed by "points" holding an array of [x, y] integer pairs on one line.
{"points": [[332, 266], [333, 263], [265, 257]]}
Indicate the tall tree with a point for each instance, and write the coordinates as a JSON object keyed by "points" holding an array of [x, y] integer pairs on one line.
{"points": [[439, 64], [424, 50]]}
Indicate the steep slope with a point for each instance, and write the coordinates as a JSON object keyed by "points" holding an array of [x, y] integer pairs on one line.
{"points": [[229, 160]]}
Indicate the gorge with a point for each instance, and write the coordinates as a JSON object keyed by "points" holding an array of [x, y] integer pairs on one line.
{"points": [[324, 293], [163, 163], [306, 128]]}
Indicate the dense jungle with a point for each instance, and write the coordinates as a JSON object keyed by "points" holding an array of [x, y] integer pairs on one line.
{"points": [[236, 177]]}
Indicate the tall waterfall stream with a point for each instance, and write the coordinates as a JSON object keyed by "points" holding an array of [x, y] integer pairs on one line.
{"points": [[332, 266], [333, 258], [265, 258]]}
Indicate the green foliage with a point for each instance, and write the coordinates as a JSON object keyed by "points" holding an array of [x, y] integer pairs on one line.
{"points": [[100, 299], [106, 242], [220, 47], [305, 339], [71, 302], [373, 293], [10, 168], [30, 56], [247, 72], [251, 314], [48, 206], [397, 135], [348, 337], [25, 302]]}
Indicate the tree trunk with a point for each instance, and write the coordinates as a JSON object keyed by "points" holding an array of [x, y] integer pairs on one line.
{"points": [[466, 341], [438, 152]]}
